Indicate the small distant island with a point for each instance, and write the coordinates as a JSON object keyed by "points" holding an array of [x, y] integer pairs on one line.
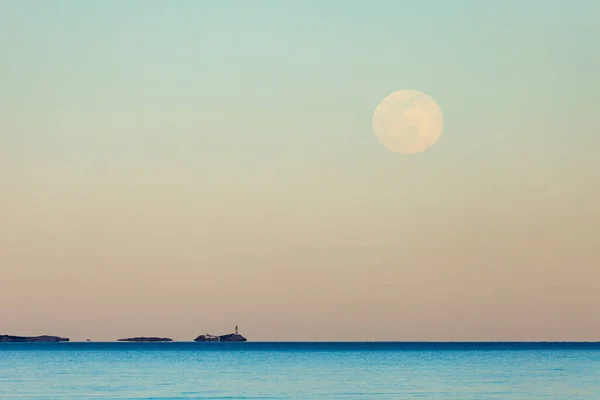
{"points": [[30, 339], [230, 337], [146, 339]]}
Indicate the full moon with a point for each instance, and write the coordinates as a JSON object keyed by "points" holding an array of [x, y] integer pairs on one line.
{"points": [[408, 121]]}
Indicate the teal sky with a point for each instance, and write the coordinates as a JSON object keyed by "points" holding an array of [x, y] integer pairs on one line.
{"points": [[166, 154]]}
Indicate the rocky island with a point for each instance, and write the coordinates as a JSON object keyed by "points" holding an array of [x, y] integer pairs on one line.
{"points": [[230, 337], [146, 339], [29, 339]]}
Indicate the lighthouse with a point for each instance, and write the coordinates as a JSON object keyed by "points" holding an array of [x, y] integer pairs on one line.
{"points": [[236, 330]]}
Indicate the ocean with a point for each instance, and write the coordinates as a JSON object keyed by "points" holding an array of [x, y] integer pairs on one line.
{"points": [[181, 370]]}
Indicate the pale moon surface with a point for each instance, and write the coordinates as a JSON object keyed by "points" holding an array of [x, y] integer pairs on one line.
{"points": [[408, 121]]}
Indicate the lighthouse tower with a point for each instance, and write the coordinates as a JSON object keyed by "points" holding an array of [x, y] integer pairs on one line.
{"points": [[236, 330]]}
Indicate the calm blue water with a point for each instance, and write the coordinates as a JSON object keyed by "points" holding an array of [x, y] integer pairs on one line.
{"points": [[299, 370]]}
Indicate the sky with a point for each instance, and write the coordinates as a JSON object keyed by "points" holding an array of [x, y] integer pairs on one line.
{"points": [[175, 168]]}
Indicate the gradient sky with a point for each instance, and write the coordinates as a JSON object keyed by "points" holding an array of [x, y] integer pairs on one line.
{"points": [[173, 168]]}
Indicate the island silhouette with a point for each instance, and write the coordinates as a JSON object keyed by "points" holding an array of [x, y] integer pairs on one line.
{"points": [[43, 338], [146, 339], [230, 337]]}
